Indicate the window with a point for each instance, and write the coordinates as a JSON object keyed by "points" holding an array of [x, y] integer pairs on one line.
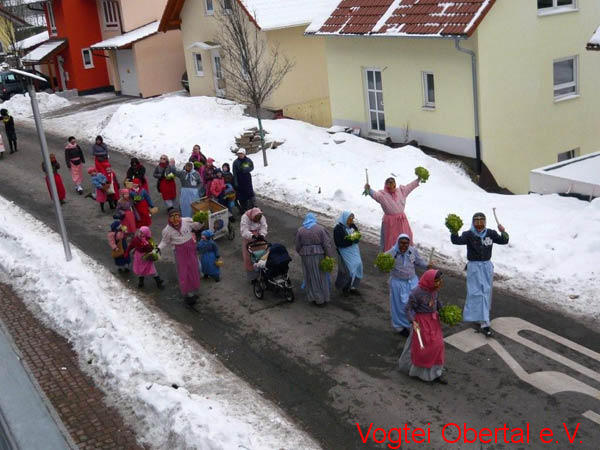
{"points": [[375, 100], [568, 155], [51, 22], [88, 61], [218, 71], [556, 5], [227, 5], [210, 9], [10, 78], [428, 90], [198, 64], [110, 14], [565, 77]]}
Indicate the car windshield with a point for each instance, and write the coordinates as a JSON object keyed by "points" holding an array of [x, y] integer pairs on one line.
{"points": [[10, 78]]}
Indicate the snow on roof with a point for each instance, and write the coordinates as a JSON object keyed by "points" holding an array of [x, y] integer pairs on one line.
{"points": [[585, 169], [203, 45], [40, 53], [431, 18], [594, 43], [274, 14], [32, 41], [128, 38]]}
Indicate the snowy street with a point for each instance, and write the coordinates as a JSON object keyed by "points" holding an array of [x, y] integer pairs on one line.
{"points": [[327, 369]]}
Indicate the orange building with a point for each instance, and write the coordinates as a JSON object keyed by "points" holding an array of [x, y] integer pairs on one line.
{"points": [[73, 26]]}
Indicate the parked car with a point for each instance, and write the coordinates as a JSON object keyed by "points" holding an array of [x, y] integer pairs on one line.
{"points": [[10, 84]]}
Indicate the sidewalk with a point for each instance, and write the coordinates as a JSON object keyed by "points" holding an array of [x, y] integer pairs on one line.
{"points": [[72, 394]]}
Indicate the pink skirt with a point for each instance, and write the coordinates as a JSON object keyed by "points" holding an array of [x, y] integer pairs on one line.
{"points": [[101, 196], [392, 227], [187, 267], [77, 174], [129, 221], [432, 353], [141, 267]]}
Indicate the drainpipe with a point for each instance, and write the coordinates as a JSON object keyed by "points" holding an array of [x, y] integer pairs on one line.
{"points": [[475, 100]]}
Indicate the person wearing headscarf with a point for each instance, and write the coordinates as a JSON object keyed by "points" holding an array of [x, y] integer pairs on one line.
{"points": [[313, 244], [403, 279], [242, 180], [60, 187], [118, 245], [142, 203], [480, 270], [143, 246], [207, 172], [137, 170], [179, 235], [166, 187], [393, 200], [423, 354], [75, 160], [126, 213], [350, 266], [100, 154], [99, 182], [197, 157], [191, 183], [112, 187], [253, 225], [209, 255]]}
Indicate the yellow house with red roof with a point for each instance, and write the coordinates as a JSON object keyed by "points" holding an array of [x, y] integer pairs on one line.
{"points": [[507, 83]]}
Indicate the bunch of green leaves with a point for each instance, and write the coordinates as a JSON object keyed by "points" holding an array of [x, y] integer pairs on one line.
{"points": [[422, 173], [170, 176], [354, 237], [327, 264], [385, 262], [454, 223], [200, 216], [451, 315]]}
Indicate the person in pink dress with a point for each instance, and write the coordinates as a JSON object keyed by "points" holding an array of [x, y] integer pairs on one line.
{"points": [[179, 235], [143, 246], [392, 200]]}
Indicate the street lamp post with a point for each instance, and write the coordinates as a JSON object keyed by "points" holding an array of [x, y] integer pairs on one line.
{"points": [[29, 77]]}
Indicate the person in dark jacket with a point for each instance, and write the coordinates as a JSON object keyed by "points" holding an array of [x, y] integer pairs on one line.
{"points": [[9, 126], [75, 160], [242, 179], [350, 267], [100, 153], [480, 270], [136, 170]]}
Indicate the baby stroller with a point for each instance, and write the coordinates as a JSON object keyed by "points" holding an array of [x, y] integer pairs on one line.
{"points": [[271, 261]]}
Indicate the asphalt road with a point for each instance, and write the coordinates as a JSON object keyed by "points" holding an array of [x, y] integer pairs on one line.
{"points": [[330, 368]]}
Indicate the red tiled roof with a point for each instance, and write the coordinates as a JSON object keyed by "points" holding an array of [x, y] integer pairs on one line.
{"points": [[406, 17]]}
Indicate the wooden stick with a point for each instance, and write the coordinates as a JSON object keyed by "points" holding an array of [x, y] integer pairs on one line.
{"points": [[431, 254], [496, 217], [367, 175]]}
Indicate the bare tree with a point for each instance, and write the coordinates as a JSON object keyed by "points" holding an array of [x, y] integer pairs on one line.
{"points": [[253, 68], [12, 30]]}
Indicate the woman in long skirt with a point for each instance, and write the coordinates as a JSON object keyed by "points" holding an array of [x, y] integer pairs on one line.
{"points": [[423, 354], [142, 203], [403, 279], [313, 244], [350, 266], [252, 226], [75, 160], [178, 234], [60, 187], [165, 183], [126, 212], [191, 183]]}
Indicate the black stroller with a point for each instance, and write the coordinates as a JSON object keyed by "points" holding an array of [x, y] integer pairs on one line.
{"points": [[272, 270]]}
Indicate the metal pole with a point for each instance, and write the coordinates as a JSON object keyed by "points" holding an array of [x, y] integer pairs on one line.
{"points": [[49, 172]]}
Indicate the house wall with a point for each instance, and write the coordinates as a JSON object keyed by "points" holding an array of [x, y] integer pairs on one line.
{"points": [[108, 33], [303, 93], [136, 13], [449, 126], [522, 127], [69, 16], [160, 63]]}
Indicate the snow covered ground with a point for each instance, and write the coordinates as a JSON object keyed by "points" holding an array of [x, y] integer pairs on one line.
{"points": [[20, 105], [136, 355], [554, 254]]}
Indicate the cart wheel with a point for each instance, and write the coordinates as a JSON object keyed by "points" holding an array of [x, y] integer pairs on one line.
{"points": [[259, 292], [231, 233], [289, 294]]}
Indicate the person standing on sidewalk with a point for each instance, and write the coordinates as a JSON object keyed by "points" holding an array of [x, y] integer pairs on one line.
{"points": [[480, 270], [9, 125], [75, 160]]}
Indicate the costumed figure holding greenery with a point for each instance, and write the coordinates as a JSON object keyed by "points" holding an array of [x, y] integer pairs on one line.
{"points": [[350, 268]]}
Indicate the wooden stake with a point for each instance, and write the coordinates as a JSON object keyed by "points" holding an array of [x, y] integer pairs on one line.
{"points": [[496, 217]]}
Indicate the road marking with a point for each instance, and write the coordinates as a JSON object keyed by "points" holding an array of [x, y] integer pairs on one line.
{"points": [[550, 382]]}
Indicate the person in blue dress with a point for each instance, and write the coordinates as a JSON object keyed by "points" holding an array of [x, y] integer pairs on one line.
{"points": [[209, 255], [350, 267], [403, 279], [480, 270]]}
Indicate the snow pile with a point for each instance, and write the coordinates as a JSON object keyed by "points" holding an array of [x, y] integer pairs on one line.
{"points": [[134, 354], [555, 246], [20, 105]]}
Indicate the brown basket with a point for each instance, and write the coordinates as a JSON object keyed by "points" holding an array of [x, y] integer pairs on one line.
{"points": [[206, 204]]}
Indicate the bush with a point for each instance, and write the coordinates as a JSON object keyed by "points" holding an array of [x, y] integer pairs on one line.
{"points": [[422, 173], [385, 262], [454, 223], [327, 264], [200, 216], [451, 315]]}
